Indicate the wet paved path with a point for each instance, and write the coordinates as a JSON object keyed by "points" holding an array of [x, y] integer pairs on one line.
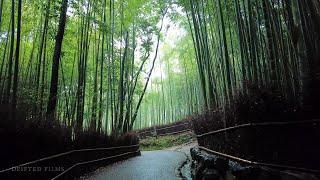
{"points": [[151, 165]]}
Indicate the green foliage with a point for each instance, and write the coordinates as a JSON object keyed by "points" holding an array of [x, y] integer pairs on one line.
{"points": [[100, 80], [163, 142], [111, 48], [175, 94]]}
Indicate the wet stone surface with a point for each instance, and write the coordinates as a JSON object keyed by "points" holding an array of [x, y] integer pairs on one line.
{"points": [[150, 165]]}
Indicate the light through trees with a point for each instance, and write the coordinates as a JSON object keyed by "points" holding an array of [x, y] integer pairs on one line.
{"points": [[109, 66]]}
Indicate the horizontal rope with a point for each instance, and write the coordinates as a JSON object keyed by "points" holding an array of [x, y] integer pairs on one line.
{"points": [[257, 124], [173, 126], [66, 153], [92, 161], [145, 132], [168, 127], [259, 163], [187, 130]]}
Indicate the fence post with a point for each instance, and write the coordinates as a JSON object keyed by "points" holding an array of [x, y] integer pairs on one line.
{"points": [[155, 132]]}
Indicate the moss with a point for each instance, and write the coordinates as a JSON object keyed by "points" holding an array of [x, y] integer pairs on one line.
{"points": [[153, 143]]}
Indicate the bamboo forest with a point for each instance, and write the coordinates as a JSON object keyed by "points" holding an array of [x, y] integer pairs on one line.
{"points": [[106, 69]]}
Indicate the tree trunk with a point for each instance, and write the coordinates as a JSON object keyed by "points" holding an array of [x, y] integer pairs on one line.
{"points": [[16, 65], [52, 103]]}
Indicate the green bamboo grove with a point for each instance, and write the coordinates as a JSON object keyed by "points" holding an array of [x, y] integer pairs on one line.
{"points": [[89, 65], [80, 62], [175, 94], [267, 43], [240, 43]]}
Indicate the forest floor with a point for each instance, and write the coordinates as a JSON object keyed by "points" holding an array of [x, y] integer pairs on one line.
{"points": [[166, 142]]}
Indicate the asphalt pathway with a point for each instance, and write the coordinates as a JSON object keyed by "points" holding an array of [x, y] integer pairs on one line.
{"points": [[151, 165]]}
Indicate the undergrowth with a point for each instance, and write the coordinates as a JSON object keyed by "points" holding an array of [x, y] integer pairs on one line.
{"points": [[163, 142]]}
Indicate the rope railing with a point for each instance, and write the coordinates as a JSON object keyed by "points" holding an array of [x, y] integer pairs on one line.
{"points": [[168, 127], [257, 124], [177, 132], [66, 153], [255, 163], [92, 161], [146, 131]]}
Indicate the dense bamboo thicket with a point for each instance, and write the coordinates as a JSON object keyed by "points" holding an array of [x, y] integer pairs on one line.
{"points": [[78, 63], [237, 44], [88, 65], [174, 93], [268, 43], [258, 62]]}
